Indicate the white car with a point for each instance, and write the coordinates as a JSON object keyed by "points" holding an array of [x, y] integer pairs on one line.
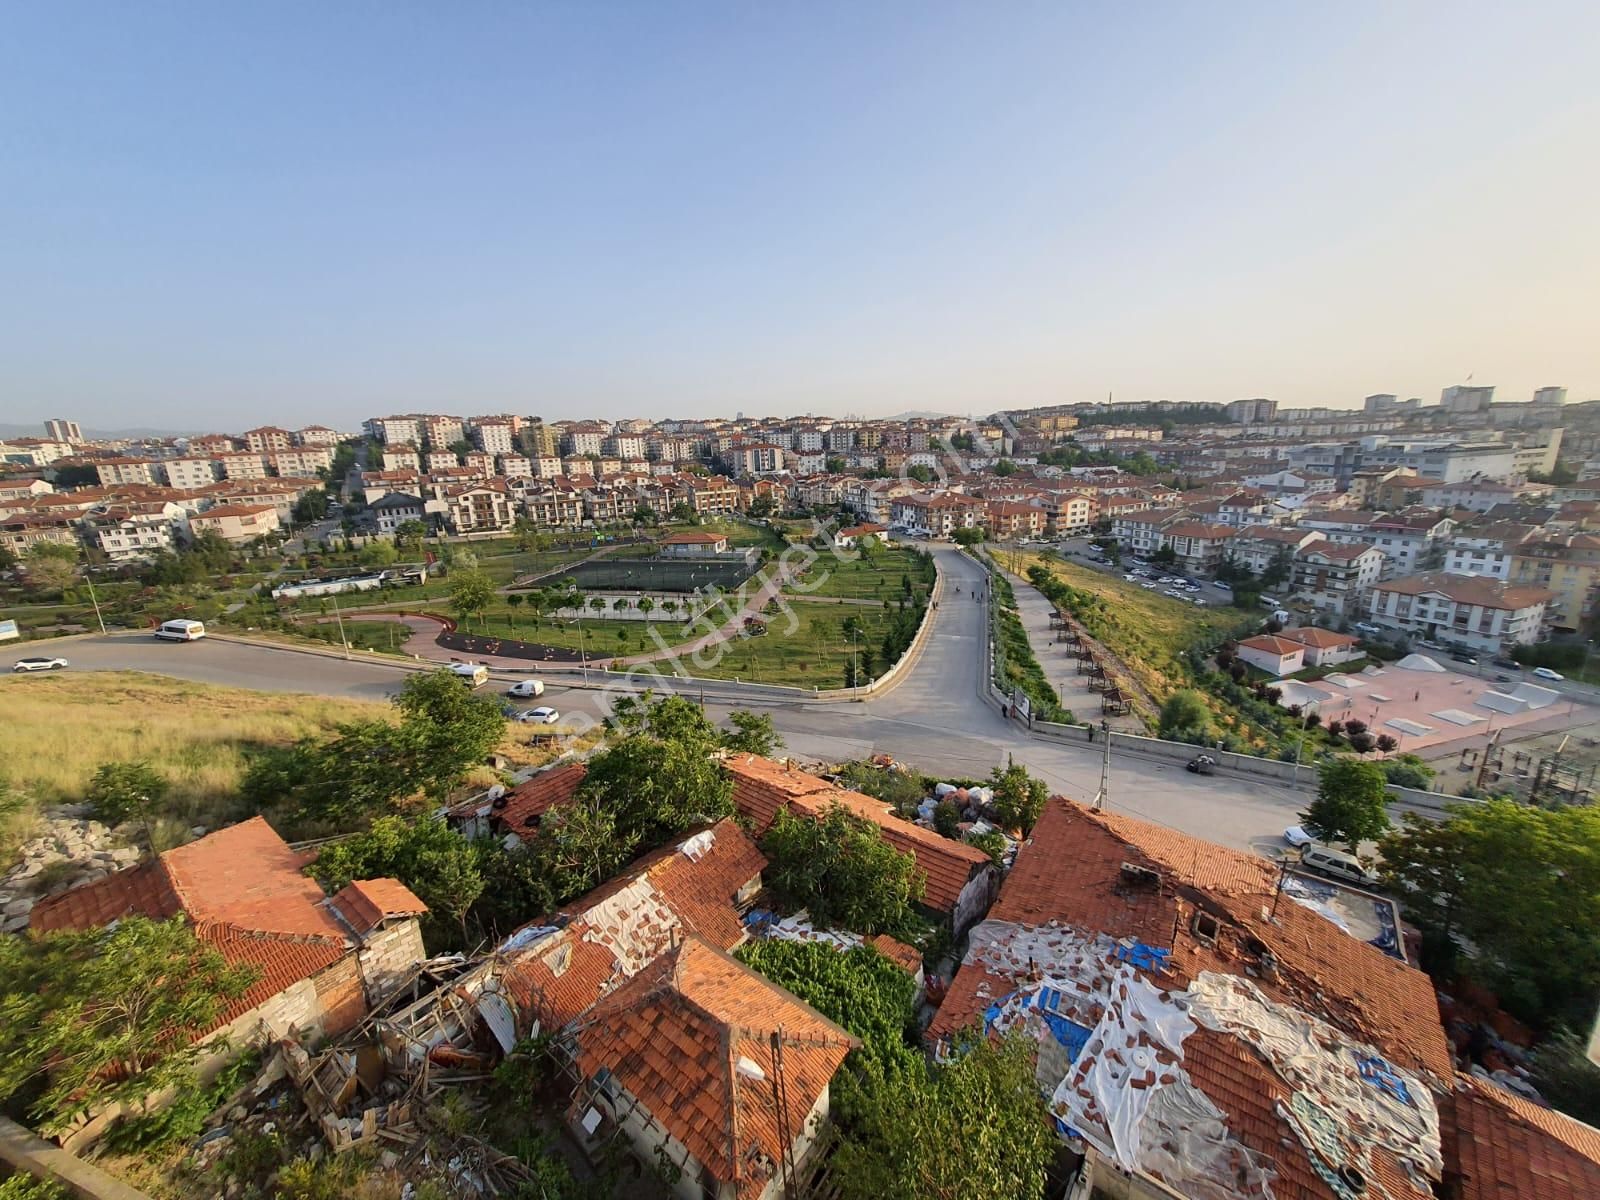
{"points": [[39, 664], [1197, 600], [526, 687], [1300, 836], [1541, 672], [1149, 586], [1131, 578], [539, 716]]}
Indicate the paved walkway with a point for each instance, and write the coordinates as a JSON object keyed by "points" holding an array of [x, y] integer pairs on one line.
{"points": [[1060, 663]]}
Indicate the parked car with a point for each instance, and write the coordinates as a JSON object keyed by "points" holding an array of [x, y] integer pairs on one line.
{"points": [[1202, 764], [1509, 664], [1302, 835], [1463, 657], [1367, 627], [1541, 672], [39, 664], [1336, 864], [526, 687], [539, 716], [1198, 600]]}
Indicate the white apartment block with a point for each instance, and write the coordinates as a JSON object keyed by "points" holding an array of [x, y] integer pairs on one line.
{"points": [[242, 465], [494, 437], [582, 440], [401, 458], [623, 445], [318, 435], [188, 474], [441, 462], [114, 472], [442, 432], [396, 430], [267, 440], [1486, 614], [516, 466], [302, 463]]}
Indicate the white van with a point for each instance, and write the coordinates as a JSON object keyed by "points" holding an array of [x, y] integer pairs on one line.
{"points": [[472, 674], [181, 631], [1336, 864], [526, 687]]}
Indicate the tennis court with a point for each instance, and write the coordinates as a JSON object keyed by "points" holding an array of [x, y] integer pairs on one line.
{"points": [[658, 574]]}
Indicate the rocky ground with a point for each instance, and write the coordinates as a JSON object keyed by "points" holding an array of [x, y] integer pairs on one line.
{"points": [[71, 849]]}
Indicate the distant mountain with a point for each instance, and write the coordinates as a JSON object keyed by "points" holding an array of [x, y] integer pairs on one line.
{"points": [[917, 414], [36, 429]]}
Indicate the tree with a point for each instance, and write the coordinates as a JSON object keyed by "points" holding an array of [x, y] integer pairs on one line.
{"points": [[1352, 801], [834, 465], [645, 515], [50, 566], [974, 1129], [106, 1015], [471, 593], [1185, 717], [426, 855], [1166, 555], [1005, 467], [1019, 798], [762, 507], [684, 511], [840, 868], [121, 790], [514, 602], [451, 729], [311, 507], [582, 844], [379, 554], [752, 733], [657, 787], [408, 535], [598, 604], [1566, 1078], [920, 473], [969, 535], [1520, 888]]}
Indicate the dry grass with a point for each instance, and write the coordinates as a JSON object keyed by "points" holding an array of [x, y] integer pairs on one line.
{"points": [[57, 729]]}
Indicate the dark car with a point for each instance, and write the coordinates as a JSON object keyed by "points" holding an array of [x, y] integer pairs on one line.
{"points": [[1507, 663], [1462, 657]]}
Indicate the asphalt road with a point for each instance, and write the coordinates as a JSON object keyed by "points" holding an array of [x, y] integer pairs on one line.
{"points": [[933, 719]]}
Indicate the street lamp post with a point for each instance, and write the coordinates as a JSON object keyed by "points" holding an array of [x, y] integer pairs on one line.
{"points": [[1300, 746], [98, 618], [337, 616]]}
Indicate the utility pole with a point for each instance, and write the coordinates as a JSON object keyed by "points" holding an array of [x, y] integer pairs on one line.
{"points": [[1105, 767], [337, 616], [94, 602]]}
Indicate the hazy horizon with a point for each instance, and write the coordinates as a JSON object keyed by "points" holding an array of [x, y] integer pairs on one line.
{"points": [[300, 214]]}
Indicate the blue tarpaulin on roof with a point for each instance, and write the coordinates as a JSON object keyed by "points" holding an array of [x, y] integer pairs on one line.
{"points": [[1046, 1001]]}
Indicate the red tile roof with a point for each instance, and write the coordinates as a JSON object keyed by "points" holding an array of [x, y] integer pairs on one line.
{"points": [[761, 787], [526, 804], [693, 539], [1069, 871], [367, 903], [1322, 639], [690, 1037], [243, 890], [1271, 644], [1503, 1147], [611, 932]]}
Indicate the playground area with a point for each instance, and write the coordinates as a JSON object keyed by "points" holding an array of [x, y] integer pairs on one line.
{"points": [[1425, 705]]}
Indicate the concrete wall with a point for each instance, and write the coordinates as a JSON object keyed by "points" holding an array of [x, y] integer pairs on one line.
{"points": [[29, 1154]]}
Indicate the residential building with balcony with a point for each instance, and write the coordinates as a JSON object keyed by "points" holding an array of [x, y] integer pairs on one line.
{"points": [[117, 471], [1486, 614], [1335, 578], [242, 465], [188, 474], [479, 507], [236, 522], [268, 439]]}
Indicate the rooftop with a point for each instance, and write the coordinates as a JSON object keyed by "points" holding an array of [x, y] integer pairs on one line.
{"points": [[1467, 589]]}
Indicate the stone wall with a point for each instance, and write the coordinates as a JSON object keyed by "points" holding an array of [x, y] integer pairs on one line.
{"points": [[70, 849], [387, 955]]}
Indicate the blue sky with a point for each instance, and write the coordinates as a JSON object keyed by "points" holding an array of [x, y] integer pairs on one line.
{"points": [[216, 214]]}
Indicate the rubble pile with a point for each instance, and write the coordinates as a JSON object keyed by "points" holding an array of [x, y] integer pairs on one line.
{"points": [[72, 849]]}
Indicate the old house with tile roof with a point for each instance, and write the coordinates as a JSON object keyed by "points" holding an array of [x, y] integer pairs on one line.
{"points": [[959, 881], [723, 1070], [1500, 1146], [322, 960], [1199, 1031]]}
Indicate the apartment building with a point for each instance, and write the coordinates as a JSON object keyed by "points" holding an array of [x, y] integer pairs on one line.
{"points": [[236, 522], [537, 440], [936, 515], [1200, 546], [318, 435], [1335, 578], [114, 472], [301, 463], [1144, 531], [442, 432], [134, 531], [396, 508], [1259, 548], [1070, 513], [479, 507], [242, 465], [268, 439], [516, 466], [395, 430], [479, 464], [1009, 520], [187, 474], [210, 445], [629, 446], [63, 431], [1486, 614], [580, 440], [494, 437]]}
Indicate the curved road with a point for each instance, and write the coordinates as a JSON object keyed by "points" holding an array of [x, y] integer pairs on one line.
{"points": [[933, 719]]}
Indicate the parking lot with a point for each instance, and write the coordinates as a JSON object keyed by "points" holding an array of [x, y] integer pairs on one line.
{"points": [[1151, 576]]}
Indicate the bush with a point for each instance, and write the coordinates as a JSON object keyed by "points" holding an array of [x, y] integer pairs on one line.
{"points": [[1408, 771], [119, 791]]}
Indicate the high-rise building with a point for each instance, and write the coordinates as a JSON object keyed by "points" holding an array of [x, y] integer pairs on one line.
{"points": [[1382, 402], [1466, 398], [1250, 412], [537, 439], [68, 431]]}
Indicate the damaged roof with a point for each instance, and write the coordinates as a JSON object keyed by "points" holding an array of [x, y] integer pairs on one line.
{"points": [[1503, 1147], [690, 1037], [561, 968]]}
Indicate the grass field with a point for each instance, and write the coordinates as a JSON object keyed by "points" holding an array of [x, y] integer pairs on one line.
{"points": [[815, 654], [599, 636], [61, 727], [875, 575]]}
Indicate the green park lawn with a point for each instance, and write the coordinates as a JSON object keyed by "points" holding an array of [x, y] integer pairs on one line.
{"points": [[875, 575], [814, 654]]}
